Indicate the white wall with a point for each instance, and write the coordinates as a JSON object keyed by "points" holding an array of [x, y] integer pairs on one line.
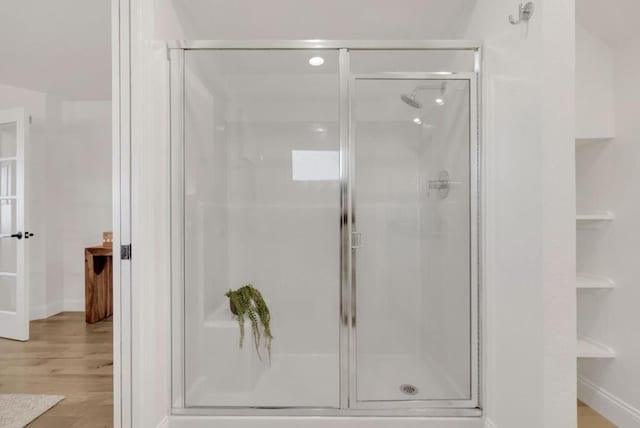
{"points": [[512, 196], [59, 48], [81, 167], [594, 87], [558, 214], [46, 286], [529, 218], [607, 180], [69, 193], [45, 298]]}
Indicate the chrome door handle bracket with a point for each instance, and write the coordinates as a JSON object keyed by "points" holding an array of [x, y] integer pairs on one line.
{"points": [[356, 239]]}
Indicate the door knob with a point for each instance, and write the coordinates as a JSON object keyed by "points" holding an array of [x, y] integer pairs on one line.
{"points": [[17, 235]]}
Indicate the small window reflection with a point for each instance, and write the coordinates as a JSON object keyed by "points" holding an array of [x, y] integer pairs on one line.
{"points": [[315, 165]]}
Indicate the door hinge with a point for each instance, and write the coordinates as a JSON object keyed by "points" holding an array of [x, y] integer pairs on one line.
{"points": [[125, 252]]}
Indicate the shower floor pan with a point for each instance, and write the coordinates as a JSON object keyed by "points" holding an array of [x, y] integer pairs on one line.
{"points": [[380, 378], [295, 380]]}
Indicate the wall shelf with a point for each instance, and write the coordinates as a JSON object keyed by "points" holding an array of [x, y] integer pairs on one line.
{"points": [[588, 348], [588, 281], [602, 216]]}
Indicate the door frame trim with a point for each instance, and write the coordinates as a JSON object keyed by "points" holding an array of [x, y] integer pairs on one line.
{"points": [[121, 201]]}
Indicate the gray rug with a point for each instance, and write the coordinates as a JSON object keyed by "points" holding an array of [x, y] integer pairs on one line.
{"points": [[17, 410]]}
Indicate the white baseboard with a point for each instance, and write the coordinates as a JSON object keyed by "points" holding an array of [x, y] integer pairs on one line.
{"points": [[74, 305], [608, 405], [45, 311], [39, 312]]}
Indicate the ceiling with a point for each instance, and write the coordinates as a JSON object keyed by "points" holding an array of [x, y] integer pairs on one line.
{"points": [[313, 19], [613, 21], [62, 47]]}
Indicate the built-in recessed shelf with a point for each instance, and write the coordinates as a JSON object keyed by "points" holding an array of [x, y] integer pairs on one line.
{"points": [[588, 281], [580, 141], [601, 216], [588, 348]]}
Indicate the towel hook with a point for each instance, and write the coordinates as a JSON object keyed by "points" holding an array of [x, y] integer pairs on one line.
{"points": [[525, 12]]}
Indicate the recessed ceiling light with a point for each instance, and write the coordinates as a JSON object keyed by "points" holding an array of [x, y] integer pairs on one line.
{"points": [[439, 101], [316, 61], [417, 121]]}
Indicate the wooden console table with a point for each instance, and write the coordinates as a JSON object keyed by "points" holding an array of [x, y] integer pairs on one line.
{"points": [[98, 283]]}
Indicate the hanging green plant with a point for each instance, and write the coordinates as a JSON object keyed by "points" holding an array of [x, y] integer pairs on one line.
{"points": [[247, 302]]}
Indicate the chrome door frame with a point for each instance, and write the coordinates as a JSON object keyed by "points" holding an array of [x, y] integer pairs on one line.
{"points": [[474, 156], [351, 45], [348, 407]]}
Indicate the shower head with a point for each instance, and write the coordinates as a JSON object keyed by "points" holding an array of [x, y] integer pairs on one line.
{"points": [[411, 100]]}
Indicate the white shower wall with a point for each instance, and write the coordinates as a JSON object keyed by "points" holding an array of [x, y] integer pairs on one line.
{"points": [[446, 256], [413, 272], [251, 220], [389, 192]]}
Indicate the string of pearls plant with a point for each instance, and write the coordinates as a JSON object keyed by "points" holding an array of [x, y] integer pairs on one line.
{"points": [[247, 302]]}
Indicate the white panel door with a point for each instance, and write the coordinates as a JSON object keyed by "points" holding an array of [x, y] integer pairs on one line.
{"points": [[14, 287]]}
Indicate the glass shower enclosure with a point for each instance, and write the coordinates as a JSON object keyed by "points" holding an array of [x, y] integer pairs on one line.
{"points": [[341, 180]]}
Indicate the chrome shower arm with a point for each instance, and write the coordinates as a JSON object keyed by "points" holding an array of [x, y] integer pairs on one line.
{"points": [[441, 88]]}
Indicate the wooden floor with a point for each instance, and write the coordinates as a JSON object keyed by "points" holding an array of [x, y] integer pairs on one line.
{"points": [[65, 356], [589, 418]]}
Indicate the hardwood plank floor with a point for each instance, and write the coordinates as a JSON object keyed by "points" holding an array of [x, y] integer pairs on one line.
{"points": [[64, 356], [589, 418]]}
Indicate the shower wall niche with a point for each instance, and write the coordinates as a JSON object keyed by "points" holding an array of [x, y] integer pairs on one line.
{"points": [[353, 211]]}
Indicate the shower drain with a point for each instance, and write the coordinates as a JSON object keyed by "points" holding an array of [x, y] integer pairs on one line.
{"points": [[408, 389]]}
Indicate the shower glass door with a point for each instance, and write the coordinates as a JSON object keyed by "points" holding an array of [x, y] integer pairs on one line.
{"points": [[412, 144], [257, 202], [345, 191]]}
